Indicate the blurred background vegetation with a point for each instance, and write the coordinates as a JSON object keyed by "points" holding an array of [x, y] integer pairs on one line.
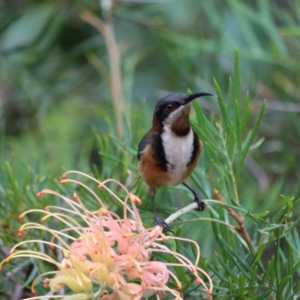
{"points": [[67, 101]]}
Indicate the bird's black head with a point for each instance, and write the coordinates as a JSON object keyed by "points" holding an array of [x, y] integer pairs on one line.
{"points": [[173, 107]]}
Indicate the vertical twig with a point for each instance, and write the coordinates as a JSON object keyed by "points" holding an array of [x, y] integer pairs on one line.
{"points": [[106, 29], [241, 229]]}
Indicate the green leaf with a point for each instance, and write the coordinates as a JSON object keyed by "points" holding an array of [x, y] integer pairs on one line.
{"points": [[242, 284], [289, 202], [230, 97], [296, 196], [26, 30], [289, 263], [238, 130], [217, 235], [219, 274], [258, 255], [245, 112], [260, 215], [253, 276], [277, 257], [282, 285], [13, 183], [296, 289], [267, 277], [256, 144], [230, 283], [272, 272], [239, 262], [237, 76], [251, 136], [200, 115], [204, 124], [227, 121]]}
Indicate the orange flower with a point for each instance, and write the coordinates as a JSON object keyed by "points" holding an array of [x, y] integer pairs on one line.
{"points": [[109, 257]]}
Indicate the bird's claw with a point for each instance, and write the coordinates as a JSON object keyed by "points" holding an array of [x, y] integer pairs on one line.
{"points": [[165, 226], [200, 203]]}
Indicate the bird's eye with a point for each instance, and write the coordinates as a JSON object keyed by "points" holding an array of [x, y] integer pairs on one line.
{"points": [[169, 107]]}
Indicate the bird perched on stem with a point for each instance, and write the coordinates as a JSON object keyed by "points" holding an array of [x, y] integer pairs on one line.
{"points": [[169, 151]]}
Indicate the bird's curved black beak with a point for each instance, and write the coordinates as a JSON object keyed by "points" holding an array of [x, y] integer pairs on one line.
{"points": [[191, 97]]}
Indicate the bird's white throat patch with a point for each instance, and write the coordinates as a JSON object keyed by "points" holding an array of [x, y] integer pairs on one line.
{"points": [[178, 152], [175, 114]]}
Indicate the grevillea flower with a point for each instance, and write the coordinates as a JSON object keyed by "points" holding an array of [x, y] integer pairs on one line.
{"points": [[105, 256]]}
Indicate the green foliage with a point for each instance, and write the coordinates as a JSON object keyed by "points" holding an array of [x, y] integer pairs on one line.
{"points": [[266, 265], [57, 114], [224, 140]]}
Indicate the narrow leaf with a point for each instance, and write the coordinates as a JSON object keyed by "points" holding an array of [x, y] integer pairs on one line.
{"points": [[237, 77], [258, 255], [282, 285], [230, 97], [253, 276], [252, 135], [227, 121], [245, 112], [238, 129], [12, 180]]}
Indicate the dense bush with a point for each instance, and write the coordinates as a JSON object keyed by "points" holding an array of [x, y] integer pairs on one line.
{"points": [[78, 84]]}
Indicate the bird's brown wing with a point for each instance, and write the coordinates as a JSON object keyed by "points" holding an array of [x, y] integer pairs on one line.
{"points": [[153, 139], [143, 143]]}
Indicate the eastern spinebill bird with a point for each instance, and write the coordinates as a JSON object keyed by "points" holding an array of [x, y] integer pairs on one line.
{"points": [[169, 151]]}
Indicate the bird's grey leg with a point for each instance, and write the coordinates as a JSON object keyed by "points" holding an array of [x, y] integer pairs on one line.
{"points": [[159, 221], [197, 198]]}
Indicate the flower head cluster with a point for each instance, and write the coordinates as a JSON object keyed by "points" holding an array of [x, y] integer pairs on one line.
{"points": [[105, 256]]}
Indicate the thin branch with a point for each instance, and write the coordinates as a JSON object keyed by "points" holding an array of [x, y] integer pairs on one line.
{"points": [[181, 212], [113, 50], [241, 229]]}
